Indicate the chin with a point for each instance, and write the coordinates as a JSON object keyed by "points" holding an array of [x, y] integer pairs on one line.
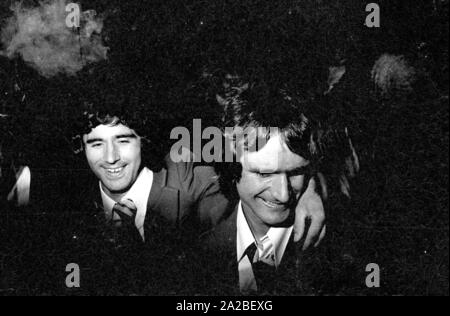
{"points": [[116, 187], [278, 219]]}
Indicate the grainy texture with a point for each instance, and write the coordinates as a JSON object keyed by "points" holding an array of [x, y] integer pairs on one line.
{"points": [[163, 63]]}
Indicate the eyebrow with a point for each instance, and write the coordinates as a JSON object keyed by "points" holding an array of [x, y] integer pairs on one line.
{"points": [[126, 136], [95, 140]]}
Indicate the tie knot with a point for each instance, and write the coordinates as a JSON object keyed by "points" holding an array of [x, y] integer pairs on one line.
{"points": [[263, 271], [128, 232], [266, 253], [251, 251], [126, 209]]}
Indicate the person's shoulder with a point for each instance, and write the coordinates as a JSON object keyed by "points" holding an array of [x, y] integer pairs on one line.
{"points": [[191, 175], [222, 236], [217, 257]]}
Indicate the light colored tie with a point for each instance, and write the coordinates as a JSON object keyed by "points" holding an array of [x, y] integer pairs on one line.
{"points": [[267, 254]]}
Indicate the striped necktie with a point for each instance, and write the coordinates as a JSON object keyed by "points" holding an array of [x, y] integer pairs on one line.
{"points": [[128, 231]]}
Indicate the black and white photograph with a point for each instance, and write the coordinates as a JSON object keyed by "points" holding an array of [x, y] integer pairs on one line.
{"points": [[217, 149]]}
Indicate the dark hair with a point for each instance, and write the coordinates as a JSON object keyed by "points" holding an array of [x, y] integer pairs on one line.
{"points": [[262, 106], [308, 121], [138, 119]]}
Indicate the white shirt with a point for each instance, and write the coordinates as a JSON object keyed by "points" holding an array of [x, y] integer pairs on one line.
{"points": [[138, 193], [271, 249]]}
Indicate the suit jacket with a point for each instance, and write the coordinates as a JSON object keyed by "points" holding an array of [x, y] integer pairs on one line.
{"points": [[184, 201], [182, 194], [187, 197], [219, 257]]}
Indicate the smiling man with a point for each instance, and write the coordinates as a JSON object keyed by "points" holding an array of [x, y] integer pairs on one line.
{"points": [[271, 183], [148, 217], [113, 152], [276, 158], [114, 155], [179, 195]]}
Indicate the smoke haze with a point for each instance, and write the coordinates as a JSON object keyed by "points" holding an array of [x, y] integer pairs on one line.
{"points": [[41, 37]]}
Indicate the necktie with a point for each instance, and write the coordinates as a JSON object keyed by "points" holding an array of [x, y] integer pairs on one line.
{"points": [[265, 274], [127, 229]]}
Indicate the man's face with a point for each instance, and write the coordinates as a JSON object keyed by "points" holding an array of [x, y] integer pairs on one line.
{"points": [[114, 155], [271, 183]]}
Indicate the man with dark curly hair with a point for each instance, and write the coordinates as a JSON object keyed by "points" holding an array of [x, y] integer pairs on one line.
{"points": [[177, 192]]}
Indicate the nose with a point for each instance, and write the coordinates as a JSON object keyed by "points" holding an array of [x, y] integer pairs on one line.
{"points": [[280, 188], [111, 154]]}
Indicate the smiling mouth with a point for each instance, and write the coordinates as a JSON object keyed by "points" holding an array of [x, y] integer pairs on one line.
{"points": [[114, 172], [270, 204]]}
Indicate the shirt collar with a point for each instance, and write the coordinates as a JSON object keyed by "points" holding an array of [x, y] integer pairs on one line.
{"points": [[140, 190], [108, 203], [278, 235], [244, 234]]}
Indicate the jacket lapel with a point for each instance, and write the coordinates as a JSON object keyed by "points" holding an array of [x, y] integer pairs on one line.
{"points": [[163, 200], [288, 274]]}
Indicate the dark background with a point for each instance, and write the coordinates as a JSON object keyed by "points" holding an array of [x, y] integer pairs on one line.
{"points": [[159, 50]]}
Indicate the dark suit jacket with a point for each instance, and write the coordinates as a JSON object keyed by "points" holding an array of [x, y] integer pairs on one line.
{"points": [[187, 196], [219, 259], [184, 201]]}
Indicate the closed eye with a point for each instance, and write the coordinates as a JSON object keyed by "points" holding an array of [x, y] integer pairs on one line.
{"points": [[96, 145], [263, 175]]}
